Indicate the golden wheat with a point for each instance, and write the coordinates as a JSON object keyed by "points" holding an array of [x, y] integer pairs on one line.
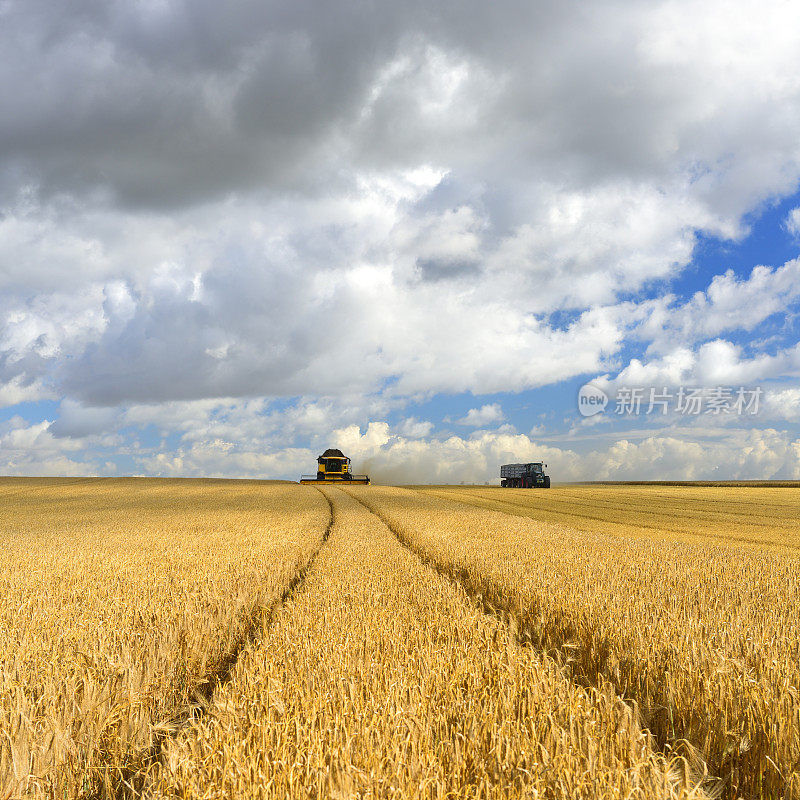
{"points": [[380, 679], [124, 604], [705, 638], [121, 600]]}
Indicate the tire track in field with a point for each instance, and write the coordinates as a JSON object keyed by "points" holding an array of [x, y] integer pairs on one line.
{"points": [[131, 783], [556, 640]]}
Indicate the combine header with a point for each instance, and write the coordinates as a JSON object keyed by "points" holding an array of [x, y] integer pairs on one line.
{"points": [[333, 466], [524, 476]]}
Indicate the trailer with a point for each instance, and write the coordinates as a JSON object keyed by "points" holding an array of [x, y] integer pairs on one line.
{"points": [[524, 476]]}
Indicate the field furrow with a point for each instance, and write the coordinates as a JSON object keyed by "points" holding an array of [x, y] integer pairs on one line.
{"points": [[125, 603], [705, 638], [379, 678]]}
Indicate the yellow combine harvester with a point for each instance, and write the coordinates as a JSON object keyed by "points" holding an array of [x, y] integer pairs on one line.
{"points": [[333, 466]]}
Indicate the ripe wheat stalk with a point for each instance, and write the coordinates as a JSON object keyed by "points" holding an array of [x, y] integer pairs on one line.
{"points": [[381, 679], [120, 603], [703, 637]]}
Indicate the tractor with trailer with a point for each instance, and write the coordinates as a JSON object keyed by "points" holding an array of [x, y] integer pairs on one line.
{"points": [[524, 476], [333, 466]]}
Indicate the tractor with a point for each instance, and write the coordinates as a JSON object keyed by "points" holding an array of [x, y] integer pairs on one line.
{"points": [[524, 476]]}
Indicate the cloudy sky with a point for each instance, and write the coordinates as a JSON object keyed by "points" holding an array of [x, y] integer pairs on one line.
{"points": [[233, 234]]}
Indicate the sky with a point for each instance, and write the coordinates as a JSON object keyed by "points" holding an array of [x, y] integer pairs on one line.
{"points": [[235, 234]]}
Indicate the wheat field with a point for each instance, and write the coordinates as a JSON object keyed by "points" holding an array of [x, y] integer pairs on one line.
{"points": [[121, 600], [705, 638], [204, 639], [381, 679]]}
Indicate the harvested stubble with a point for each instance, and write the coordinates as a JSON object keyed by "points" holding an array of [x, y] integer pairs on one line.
{"points": [[705, 638], [751, 515], [122, 601], [379, 678]]}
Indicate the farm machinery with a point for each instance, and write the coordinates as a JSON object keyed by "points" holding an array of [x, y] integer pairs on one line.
{"points": [[524, 476], [333, 466]]}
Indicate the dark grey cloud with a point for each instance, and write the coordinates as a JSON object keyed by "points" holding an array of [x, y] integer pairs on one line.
{"points": [[193, 194], [440, 269], [173, 103], [253, 331], [77, 422]]}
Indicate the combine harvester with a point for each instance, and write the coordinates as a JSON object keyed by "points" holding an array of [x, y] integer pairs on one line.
{"points": [[333, 466], [524, 476]]}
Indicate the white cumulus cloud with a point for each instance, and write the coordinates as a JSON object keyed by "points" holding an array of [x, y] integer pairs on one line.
{"points": [[488, 414]]}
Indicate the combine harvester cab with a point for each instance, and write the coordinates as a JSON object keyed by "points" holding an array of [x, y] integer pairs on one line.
{"points": [[524, 476], [333, 466]]}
